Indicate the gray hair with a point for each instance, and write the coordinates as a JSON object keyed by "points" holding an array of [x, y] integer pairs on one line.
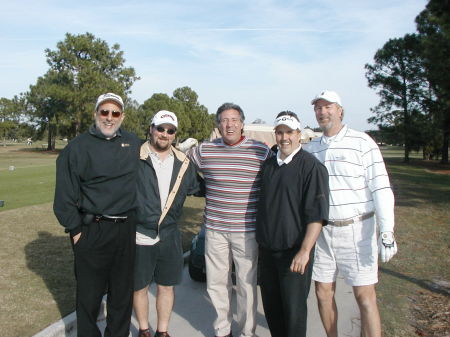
{"points": [[229, 106]]}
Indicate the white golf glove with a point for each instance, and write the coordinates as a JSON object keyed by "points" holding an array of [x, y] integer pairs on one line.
{"points": [[387, 247], [187, 144]]}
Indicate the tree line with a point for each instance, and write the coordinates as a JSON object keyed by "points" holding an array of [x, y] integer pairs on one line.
{"points": [[411, 76], [61, 102]]}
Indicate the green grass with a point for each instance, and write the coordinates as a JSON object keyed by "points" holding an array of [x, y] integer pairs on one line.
{"points": [[398, 152], [36, 263], [418, 271], [31, 182], [27, 186]]}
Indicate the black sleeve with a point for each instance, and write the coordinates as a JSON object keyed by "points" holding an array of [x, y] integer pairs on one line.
{"points": [[67, 193], [316, 193], [194, 180]]}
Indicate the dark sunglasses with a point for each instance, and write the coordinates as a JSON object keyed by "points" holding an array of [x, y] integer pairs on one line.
{"points": [[114, 113], [169, 131]]}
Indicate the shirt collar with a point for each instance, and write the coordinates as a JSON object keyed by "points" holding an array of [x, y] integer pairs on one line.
{"points": [[240, 141], [156, 154], [337, 137], [289, 158]]}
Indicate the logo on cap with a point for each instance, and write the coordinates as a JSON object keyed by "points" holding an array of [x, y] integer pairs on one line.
{"points": [[169, 116]]}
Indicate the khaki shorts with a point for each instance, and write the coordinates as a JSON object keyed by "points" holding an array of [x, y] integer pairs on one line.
{"points": [[350, 250]]}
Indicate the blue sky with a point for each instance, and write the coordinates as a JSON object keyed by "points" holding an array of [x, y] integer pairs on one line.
{"points": [[266, 56]]}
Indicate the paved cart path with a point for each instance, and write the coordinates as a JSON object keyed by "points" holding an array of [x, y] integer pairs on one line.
{"points": [[193, 314]]}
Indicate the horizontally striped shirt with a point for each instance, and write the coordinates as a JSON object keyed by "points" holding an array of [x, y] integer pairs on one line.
{"points": [[232, 179], [359, 182]]}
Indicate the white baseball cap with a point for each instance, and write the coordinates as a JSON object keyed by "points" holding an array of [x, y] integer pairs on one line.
{"points": [[329, 96], [289, 121], [165, 117], [108, 97]]}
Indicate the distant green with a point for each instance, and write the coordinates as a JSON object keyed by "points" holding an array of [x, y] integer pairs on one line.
{"points": [[27, 186]]}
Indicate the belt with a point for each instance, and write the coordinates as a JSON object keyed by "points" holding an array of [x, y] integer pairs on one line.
{"points": [[107, 218], [341, 223]]}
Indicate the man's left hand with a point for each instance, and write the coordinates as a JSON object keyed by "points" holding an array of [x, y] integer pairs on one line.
{"points": [[299, 262], [387, 247]]}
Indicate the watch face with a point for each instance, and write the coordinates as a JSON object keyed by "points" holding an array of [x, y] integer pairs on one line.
{"points": [[388, 239]]}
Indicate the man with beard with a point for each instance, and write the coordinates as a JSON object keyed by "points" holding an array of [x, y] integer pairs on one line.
{"points": [[95, 200], [359, 191], [166, 177]]}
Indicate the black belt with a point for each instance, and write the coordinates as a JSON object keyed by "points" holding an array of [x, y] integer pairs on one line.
{"points": [[106, 218]]}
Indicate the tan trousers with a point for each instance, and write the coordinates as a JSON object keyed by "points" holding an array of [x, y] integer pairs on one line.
{"points": [[221, 248]]}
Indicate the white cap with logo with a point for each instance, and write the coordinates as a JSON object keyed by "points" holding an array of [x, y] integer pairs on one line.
{"points": [[165, 117], [289, 121], [329, 96], [109, 97]]}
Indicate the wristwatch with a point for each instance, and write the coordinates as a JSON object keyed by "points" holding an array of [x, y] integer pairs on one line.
{"points": [[387, 238]]}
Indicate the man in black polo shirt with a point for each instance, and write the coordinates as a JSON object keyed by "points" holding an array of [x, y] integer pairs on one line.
{"points": [[292, 209], [95, 200]]}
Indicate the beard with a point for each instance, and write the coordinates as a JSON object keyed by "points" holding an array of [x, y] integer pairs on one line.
{"points": [[161, 145], [108, 132]]}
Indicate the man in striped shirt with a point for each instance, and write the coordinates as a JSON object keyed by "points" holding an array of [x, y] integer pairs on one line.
{"points": [[360, 192], [231, 169]]}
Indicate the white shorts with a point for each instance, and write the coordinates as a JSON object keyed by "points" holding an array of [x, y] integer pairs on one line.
{"points": [[350, 250]]}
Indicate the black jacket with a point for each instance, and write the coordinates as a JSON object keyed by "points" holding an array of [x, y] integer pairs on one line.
{"points": [[95, 175], [291, 197], [149, 199]]}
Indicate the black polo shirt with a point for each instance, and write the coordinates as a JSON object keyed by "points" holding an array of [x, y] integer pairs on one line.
{"points": [[292, 196]]}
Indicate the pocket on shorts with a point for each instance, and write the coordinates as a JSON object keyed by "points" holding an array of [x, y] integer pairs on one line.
{"points": [[364, 239]]}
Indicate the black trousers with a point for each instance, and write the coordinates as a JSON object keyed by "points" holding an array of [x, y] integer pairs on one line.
{"points": [[284, 294], [104, 263]]}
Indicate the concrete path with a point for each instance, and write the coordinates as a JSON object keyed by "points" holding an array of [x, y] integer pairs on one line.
{"points": [[193, 314]]}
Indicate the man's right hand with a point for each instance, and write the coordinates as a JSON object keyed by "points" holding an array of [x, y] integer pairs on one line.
{"points": [[76, 238]]}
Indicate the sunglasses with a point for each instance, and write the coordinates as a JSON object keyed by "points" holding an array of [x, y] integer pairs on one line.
{"points": [[169, 131], [114, 113]]}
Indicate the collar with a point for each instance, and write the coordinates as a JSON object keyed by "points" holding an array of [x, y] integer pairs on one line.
{"points": [[237, 143], [157, 155], [337, 137], [94, 131], [289, 158]]}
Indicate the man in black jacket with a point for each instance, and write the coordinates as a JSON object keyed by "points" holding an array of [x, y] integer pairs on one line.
{"points": [[166, 177], [292, 209], [95, 200]]}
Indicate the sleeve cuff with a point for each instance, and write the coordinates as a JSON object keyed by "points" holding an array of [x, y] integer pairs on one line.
{"points": [[75, 231]]}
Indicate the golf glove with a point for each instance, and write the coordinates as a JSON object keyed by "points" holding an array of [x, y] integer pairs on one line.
{"points": [[387, 247]]}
